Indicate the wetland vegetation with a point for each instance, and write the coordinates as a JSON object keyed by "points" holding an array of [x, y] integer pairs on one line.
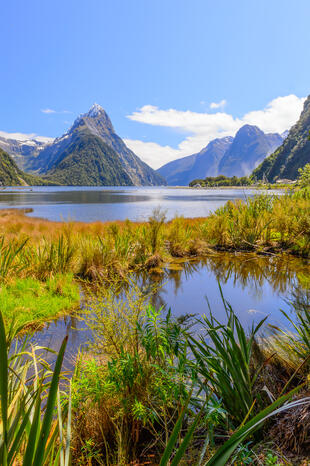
{"points": [[153, 388]]}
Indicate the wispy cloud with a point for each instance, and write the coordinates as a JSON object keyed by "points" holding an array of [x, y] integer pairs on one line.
{"points": [[49, 111], [216, 105], [279, 114]]}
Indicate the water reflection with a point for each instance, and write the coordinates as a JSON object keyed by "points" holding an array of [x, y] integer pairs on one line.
{"points": [[114, 203], [255, 286], [247, 271]]}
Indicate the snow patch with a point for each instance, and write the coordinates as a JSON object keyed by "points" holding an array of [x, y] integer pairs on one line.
{"points": [[94, 110], [20, 137]]}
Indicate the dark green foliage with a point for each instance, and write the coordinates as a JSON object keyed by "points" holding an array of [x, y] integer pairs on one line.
{"points": [[293, 154], [139, 382], [304, 176], [88, 161], [11, 175], [224, 355], [222, 180]]}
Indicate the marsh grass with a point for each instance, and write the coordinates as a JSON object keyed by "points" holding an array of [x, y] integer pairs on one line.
{"points": [[9, 251], [41, 249], [143, 367]]}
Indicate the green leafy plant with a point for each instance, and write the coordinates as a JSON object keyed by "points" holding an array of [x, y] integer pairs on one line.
{"points": [[133, 380], [271, 459], [225, 452], [223, 357], [304, 175], [25, 435]]}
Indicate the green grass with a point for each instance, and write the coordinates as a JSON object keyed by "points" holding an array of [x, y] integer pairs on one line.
{"points": [[26, 300]]}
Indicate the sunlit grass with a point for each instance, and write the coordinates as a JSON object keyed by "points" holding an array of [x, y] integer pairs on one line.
{"points": [[27, 300]]}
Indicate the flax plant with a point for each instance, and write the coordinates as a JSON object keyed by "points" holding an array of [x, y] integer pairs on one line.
{"points": [[29, 433], [223, 354]]}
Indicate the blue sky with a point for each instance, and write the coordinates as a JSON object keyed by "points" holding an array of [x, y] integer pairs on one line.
{"points": [[155, 66]]}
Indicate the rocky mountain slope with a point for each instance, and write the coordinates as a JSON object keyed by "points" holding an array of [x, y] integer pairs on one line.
{"points": [[11, 175], [113, 156], [22, 150], [248, 149], [294, 153], [88, 161]]}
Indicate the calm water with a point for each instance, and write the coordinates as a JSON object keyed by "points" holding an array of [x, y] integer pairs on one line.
{"points": [[255, 287], [90, 204]]}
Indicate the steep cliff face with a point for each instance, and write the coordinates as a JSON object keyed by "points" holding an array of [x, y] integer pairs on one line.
{"points": [[88, 161], [294, 153], [249, 148]]}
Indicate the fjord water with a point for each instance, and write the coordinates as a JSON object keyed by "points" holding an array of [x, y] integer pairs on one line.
{"points": [[255, 286], [90, 204]]}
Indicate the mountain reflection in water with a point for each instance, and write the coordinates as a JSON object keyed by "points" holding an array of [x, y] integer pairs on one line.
{"points": [[254, 285]]}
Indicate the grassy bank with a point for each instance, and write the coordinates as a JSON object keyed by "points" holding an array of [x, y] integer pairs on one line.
{"points": [[36, 249], [27, 301], [262, 224]]}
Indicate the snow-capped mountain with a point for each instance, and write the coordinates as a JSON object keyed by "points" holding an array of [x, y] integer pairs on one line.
{"points": [[92, 134], [21, 148]]}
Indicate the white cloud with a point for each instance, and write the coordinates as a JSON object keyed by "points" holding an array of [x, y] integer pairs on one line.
{"points": [[216, 105], [280, 114], [48, 111], [154, 154], [25, 137]]}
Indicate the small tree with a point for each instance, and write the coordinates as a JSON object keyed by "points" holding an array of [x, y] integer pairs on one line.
{"points": [[304, 176]]}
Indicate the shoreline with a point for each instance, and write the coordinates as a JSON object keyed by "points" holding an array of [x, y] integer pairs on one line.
{"points": [[100, 252]]}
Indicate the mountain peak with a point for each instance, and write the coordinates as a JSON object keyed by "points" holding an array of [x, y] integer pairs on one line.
{"points": [[95, 110], [96, 119], [249, 130]]}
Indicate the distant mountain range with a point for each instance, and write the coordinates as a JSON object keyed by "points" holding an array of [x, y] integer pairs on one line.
{"points": [[22, 150], [293, 154], [90, 153], [227, 156], [182, 171]]}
